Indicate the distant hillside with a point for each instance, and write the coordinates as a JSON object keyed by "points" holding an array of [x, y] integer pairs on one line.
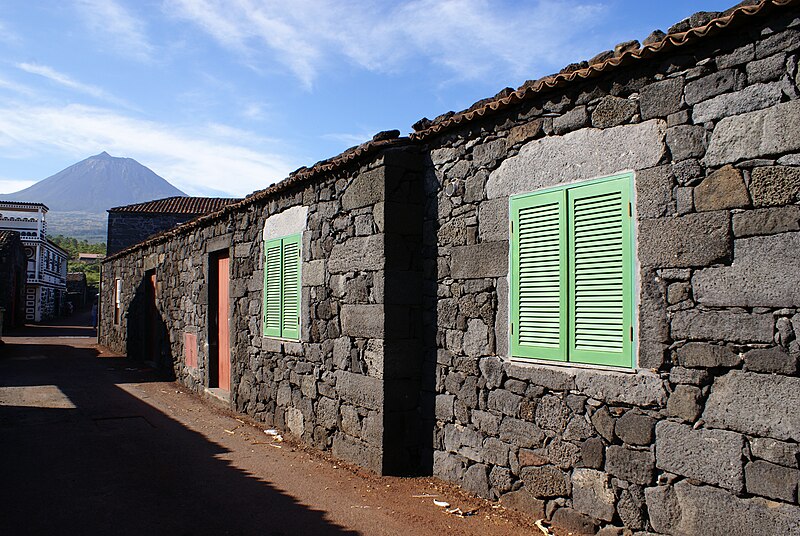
{"points": [[79, 196]]}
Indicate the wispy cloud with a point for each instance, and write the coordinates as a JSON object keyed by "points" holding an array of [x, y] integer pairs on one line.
{"points": [[8, 186], [69, 82], [119, 28], [470, 38], [196, 163], [8, 36]]}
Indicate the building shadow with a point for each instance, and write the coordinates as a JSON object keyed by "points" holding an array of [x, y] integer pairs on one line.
{"points": [[83, 456], [147, 338]]}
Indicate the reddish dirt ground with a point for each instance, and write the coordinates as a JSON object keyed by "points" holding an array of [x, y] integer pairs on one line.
{"points": [[91, 443]]}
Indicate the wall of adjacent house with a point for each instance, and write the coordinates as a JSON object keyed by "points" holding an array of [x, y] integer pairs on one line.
{"points": [[13, 274], [359, 322], [702, 435], [128, 228]]}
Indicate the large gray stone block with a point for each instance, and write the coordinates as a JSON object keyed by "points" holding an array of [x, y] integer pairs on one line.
{"points": [[662, 98], [487, 259], [694, 324], [751, 98], [612, 111], [775, 185], [766, 221], [755, 404], [555, 379], [641, 389], [359, 253], [363, 320], [355, 451], [545, 481], [366, 189], [756, 134], [709, 86], [654, 192], [632, 465], [773, 481], [685, 241], [592, 494], [710, 510], [704, 355], [579, 155], [493, 222], [686, 141], [764, 273], [360, 390], [710, 456]]}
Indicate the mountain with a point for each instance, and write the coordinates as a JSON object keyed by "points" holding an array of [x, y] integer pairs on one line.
{"points": [[97, 184], [79, 196]]}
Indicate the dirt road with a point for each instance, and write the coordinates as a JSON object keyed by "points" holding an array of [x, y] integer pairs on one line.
{"points": [[92, 444]]}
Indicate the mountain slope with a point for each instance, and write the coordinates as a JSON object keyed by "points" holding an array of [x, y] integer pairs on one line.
{"points": [[96, 184]]}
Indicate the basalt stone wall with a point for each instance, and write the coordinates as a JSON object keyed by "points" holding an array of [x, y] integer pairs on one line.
{"points": [[351, 383], [702, 436], [128, 228]]}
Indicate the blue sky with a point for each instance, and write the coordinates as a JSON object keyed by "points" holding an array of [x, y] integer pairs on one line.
{"points": [[224, 97]]}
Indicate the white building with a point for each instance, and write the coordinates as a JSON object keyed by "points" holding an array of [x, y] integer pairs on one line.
{"points": [[46, 287]]}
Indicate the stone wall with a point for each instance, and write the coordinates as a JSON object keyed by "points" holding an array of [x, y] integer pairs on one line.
{"points": [[128, 228], [359, 326], [403, 361], [702, 437]]}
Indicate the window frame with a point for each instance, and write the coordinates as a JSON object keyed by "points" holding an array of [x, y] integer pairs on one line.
{"points": [[564, 197], [283, 331]]}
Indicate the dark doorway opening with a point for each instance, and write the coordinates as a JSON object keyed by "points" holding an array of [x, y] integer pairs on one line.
{"points": [[219, 366]]}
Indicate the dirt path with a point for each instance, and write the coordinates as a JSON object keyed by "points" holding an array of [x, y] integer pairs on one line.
{"points": [[91, 444]]}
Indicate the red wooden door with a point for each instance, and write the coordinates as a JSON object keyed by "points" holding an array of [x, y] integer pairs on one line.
{"points": [[223, 333]]}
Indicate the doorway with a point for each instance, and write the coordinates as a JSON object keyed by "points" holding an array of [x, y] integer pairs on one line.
{"points": [[219, 321], [152, 349]]}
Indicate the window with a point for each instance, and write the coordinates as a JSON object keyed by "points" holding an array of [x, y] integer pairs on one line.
{"points": [[282, 287], [572, 273], [117, 300]]}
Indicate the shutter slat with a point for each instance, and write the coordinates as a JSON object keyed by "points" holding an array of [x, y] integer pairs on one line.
{"points": [[598, 281], [290, 321], [272, 288], [538, 270]]}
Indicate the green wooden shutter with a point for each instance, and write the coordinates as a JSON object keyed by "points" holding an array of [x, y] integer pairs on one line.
{"points": [[272, 288], [538, 276], [290, 310], [600, 278]]}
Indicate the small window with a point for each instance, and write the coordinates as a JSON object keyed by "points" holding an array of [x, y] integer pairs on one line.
{"points": [[117, 300], [572, 274], [282, 287]]}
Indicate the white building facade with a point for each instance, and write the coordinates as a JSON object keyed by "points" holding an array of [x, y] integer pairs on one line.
{"points": [[46, 286]]}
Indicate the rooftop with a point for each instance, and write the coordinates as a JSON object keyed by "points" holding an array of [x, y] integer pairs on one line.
{"points": [[178, 205]]}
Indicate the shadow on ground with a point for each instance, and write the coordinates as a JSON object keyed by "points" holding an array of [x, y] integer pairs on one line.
{"points": [[82, 456]]}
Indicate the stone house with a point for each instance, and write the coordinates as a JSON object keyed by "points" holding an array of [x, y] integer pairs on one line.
{"points": [[579, 297], [131, 224]]}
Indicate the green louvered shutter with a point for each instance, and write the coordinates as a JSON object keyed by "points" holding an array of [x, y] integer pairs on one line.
{"points": [[272, 288], [600, 276], [290, 313], [538, 276]]}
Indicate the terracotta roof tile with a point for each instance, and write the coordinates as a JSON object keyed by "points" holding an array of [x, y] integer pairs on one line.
{"points": [[178, 205], [686, 32]]}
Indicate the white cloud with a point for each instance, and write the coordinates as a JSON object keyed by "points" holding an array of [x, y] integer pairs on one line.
{"points": [[8, 186], [195, 163], [119, 28], [470, 38], [68, 82]]}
